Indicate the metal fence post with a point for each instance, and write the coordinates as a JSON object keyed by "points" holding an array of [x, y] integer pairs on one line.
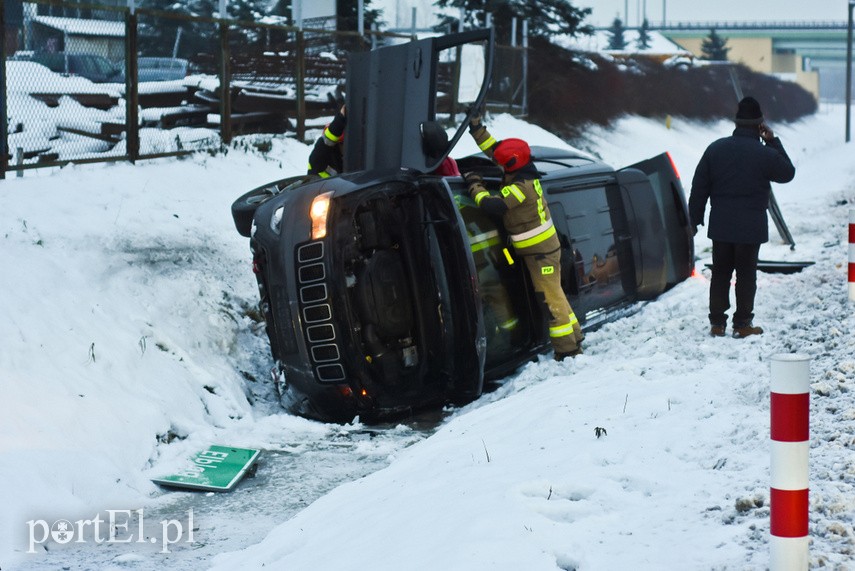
{"points": [[132, 123], [225, 87], [4, 120], [301, 86]]}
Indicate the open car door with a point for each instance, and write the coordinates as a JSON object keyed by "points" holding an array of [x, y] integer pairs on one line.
{"points": [[670, 200], [392, 90]]}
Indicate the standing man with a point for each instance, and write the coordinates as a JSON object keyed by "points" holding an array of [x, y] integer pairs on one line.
{"points": [[526, 217], [735, 174]]}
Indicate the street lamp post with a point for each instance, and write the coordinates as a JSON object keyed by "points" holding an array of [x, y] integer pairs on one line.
{"points": [[849, 69]]}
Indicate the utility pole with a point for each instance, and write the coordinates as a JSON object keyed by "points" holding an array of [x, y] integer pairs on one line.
{"points": [[849, 70]]}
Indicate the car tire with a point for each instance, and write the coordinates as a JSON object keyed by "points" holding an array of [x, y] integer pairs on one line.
{"points": [[243, 209]]}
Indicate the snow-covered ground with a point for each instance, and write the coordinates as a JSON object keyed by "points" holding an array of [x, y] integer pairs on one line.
{"points": [[129, 343]]}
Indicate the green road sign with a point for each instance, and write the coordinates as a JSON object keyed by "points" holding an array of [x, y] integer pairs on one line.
{"points": [[216, 469]]}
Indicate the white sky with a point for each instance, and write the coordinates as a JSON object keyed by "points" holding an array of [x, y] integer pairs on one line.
{"points": [[399, 12], [604, 11]]}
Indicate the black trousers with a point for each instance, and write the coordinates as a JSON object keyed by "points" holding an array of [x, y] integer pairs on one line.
{"points": [[727, 258]]}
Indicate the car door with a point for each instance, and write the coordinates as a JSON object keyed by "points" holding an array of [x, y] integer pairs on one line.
{"points": [[670, 199], [392, 90], [597, 265], [513, 325]]}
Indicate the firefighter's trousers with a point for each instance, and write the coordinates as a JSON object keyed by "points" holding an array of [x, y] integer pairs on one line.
{"points": [[564, 329]]}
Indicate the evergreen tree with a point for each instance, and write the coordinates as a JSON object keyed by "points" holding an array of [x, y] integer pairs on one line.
{"points": [[348, 15], [714, 47], [616, 39], [643, 41], [157, 36], [546, 18]]}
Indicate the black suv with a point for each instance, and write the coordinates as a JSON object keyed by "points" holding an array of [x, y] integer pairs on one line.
{"points": [[382, 288]]}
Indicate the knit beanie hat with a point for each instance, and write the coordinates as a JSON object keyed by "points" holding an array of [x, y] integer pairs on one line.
{"points": [[748, 114]]}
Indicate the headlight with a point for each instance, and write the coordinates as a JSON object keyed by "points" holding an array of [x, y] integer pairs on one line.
{"points": [[318, 213], [276, 219]]}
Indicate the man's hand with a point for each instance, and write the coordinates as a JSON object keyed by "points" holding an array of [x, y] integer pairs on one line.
{"points": [[766, 133], [472, 178]]}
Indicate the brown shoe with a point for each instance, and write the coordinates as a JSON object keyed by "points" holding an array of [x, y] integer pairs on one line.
{"points": [[746, 330], [573, 353], [717, 330]]}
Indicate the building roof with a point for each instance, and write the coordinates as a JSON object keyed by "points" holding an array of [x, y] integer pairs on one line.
{"points": [[81, 27]]}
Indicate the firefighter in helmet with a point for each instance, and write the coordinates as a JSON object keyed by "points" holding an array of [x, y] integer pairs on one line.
{"points": [[526, 217]]}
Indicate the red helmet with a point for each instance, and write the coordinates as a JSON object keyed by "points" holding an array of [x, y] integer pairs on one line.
{"points": [[512, 154]]}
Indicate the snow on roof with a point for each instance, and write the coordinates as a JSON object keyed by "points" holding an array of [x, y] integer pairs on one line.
{"points": [[599, 42], [81, 27]]}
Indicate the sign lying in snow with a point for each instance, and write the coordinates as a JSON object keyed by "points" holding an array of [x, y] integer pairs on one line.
{"points": [[216, 469]]}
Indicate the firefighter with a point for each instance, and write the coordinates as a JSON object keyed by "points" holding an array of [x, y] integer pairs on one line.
{"points": [[526, 217], [326, 158]]}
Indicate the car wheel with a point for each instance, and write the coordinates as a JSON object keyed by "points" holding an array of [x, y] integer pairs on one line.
{"points": [[243, 209]]}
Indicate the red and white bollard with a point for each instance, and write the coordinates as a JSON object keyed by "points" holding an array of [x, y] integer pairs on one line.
{"points": [[852, 254], [790, 431]]}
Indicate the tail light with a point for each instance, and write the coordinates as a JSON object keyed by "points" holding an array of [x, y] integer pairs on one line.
{"points": [[673, 165]]}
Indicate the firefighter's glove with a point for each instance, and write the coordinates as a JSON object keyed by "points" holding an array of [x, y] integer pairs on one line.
{"points": [[473, 178], [475, 120]]}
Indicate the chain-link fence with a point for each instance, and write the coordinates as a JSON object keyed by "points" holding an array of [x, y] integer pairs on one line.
{"points": [[86, 83]]}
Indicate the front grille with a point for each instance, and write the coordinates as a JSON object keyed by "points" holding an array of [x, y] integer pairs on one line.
{"points": [[318, 324], [311, 273], [310, 252], [317, 313], [320, 333], [313, 293], [325, 353], [330, 373]]}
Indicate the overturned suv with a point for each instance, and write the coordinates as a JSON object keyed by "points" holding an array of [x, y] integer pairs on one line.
{"points": [[385, 289]]}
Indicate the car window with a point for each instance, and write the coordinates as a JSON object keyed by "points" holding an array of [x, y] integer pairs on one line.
{"points": [[54, 62], [594, 262], [101, 66], [79, 66]]}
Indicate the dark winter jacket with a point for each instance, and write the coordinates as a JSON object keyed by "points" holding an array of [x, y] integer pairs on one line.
{"points": [[734, 174]]}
